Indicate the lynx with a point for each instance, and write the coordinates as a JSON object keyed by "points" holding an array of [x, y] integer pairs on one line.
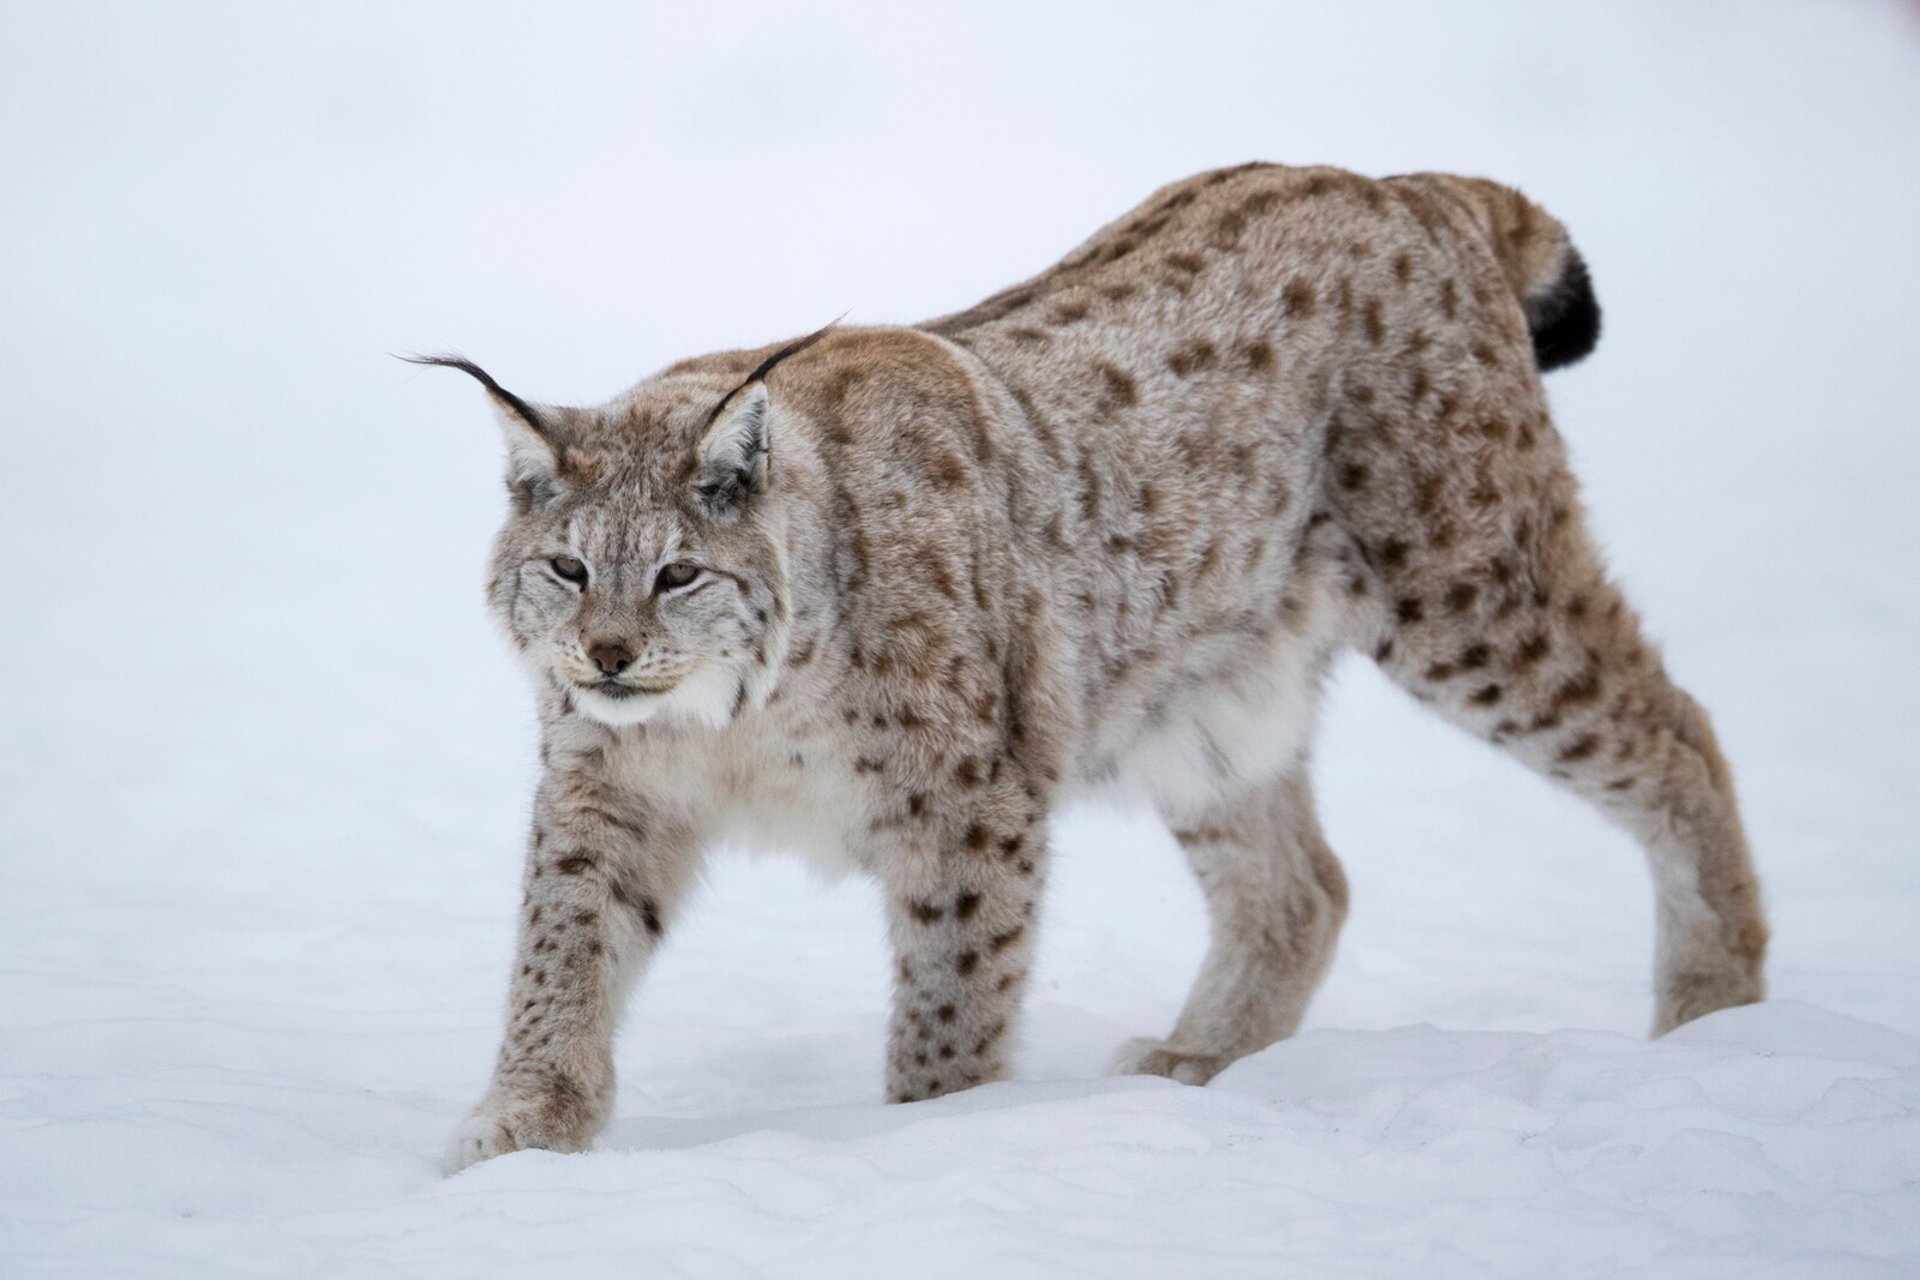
{"points": [[887, 595]]}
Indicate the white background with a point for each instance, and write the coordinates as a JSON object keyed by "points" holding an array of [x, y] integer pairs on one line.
{"points": [[264, 767]]}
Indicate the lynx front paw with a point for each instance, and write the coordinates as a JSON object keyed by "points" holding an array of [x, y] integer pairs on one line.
{"points": [[1149, 1057], [556, 1118], [482, 1136]]}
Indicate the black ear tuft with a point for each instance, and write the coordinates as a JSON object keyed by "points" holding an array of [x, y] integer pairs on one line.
{"points": [[520, 408], [766, 366]]}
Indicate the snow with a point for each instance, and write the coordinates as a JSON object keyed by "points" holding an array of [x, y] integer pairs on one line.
{"points": [[264, 771]]}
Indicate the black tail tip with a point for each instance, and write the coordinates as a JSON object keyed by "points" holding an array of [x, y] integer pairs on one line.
{"points": [[1565, 319]]}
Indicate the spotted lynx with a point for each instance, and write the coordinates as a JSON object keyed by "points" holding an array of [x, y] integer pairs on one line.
{"points": [[888, 595]]}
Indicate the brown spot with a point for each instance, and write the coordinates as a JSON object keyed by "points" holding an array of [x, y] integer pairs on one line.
{"points": [[1474, 657], [1402, 267], [1070, 313], [1408, 609], [1440, 671], [1427, 495], [1227, 229], [1353, 476], [1261, 201], [926, 912], [1460, 597], [1297, 299], [1393, 553], [1187, 263], [1193, 358], [945, 1013], [1374, 319], [1117, 292], [948, 471], [1579, 690], [967, 962], [1258, 355], [1531, 650], [1580, 748], [1119, 389], [1002, 941], [577, 864], [1486, 697]]}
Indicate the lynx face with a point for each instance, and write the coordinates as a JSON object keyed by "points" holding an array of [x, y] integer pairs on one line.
{"points": [[639, 579]]}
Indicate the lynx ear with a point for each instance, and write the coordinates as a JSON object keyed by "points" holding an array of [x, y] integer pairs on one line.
{"points": [[735, 457], [534, 451]]}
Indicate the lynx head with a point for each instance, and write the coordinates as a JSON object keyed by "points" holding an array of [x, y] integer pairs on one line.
{"points": [[642, 569]]}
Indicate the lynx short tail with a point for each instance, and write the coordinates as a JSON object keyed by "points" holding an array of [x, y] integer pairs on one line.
{"points": [[1546, 272]]}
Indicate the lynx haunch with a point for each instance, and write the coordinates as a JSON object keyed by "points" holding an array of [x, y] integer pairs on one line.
{"points": [[887, 595]]}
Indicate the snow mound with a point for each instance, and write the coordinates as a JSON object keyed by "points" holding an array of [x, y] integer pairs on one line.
{"points": [[1775, 1140]]}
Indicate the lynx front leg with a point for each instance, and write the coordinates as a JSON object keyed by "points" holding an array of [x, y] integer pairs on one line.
{"points": [[601, 880], [962, 921]]}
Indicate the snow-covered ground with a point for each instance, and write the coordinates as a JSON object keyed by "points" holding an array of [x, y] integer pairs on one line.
{"points": [[263, 766]]}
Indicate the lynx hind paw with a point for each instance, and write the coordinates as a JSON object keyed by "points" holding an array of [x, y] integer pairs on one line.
{"points": [[1690, 995], [1149, 1057]]}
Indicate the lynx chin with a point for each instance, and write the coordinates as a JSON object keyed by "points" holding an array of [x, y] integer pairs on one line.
{"points": [[887, 595]]}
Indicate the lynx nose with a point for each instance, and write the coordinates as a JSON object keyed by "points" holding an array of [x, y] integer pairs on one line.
{"points": [[610, 656]]}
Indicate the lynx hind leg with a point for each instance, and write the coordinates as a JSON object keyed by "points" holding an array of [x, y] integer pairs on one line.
{"points": [[1276, 897], [1528, 645]]}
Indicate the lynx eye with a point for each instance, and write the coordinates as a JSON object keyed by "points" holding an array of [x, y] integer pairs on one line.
{"points": [[569, 568], [677, 574]]}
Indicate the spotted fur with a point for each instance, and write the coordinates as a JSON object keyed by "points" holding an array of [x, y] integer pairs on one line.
{"points": [[1107, 528]]}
